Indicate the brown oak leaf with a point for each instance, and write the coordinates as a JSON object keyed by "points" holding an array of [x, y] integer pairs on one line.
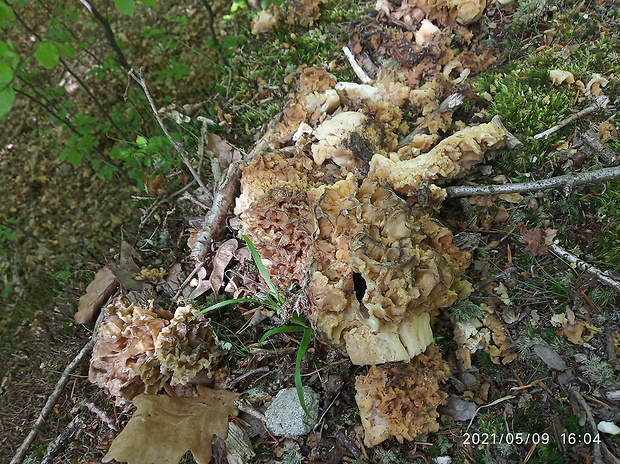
{"points": [[164, 428]]}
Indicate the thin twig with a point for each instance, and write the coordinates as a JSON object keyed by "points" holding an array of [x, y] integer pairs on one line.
{"points": [[53, 398], [598, 455], [76, 423], [497, 401], [151, 209], [197, 268], [600, 102], [100, 414], [107, 31], [246, 408], [569, 180], [258, 370], [580, 264], [357, 69], [139, 78]]}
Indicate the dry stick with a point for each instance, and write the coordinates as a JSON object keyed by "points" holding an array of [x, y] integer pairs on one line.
{"points": [[580, 264], [258, 370], [222, 200], [99, 413], [607, 156], [51, 401], [598, 455], [359, 72], [569, 180], [76, 423], [600, 102], [140, 80]]}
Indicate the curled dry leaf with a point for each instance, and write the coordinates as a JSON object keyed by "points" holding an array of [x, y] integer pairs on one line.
{"points": [[222, 258], [97, 292], [163, 428]]}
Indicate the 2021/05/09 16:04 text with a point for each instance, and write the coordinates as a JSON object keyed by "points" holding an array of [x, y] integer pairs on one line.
{"points": [[520, 438]]}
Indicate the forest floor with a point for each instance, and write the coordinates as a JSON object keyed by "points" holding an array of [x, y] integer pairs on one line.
{"points": [[61, 222]]}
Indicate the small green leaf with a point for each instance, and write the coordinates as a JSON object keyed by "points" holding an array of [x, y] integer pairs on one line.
{"points": [[125, 6], [6, 73], [141, 141], [75, 157], [149, 3], [66, 49], [6, 12], [7, 98], [47, 54]]}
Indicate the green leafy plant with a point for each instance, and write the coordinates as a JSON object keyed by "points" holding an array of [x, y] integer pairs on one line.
{"points": [[299, 325], [274, 300]]}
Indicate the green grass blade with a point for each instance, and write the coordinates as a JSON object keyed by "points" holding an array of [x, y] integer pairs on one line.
{"points": [[226, 303], [303, 347], [261, 269], [285, 329]]}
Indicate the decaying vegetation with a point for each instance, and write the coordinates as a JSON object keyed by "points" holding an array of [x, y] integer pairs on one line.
{"points": [[407, 208]]}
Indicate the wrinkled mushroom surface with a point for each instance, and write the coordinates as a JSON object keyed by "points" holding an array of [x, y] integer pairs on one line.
{"points": [[138, 352]]}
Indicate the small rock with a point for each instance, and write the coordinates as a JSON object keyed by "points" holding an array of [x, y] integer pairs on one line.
{"points": [[608, 427], [469, 380], [285, 416], [458, 409], [443, 460], [550, 357]]}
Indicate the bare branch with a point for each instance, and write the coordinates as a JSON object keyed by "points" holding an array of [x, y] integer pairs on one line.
{"points": [[582, 265], [140, 80], [75, 424], [222, 200], [569, 180], [600, 102]]}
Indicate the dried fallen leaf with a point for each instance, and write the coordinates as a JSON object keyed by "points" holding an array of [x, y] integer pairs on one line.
{"points": [[580, 332], [550, 357], [97, 292], [163, 428], [127, 268], [222, 258], [515, 198], [538, 240], [219, 148]]}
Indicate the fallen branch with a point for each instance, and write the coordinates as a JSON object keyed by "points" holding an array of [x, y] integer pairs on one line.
{"points": [[53, 398], [607, 156], [597, 273], [357, 69], [69, 430], [222, 200], [600, 102], [569, 181], [142, 83]]}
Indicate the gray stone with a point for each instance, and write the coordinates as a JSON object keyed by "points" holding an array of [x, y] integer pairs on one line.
{"points": [[459, 409], [285, 416]]}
